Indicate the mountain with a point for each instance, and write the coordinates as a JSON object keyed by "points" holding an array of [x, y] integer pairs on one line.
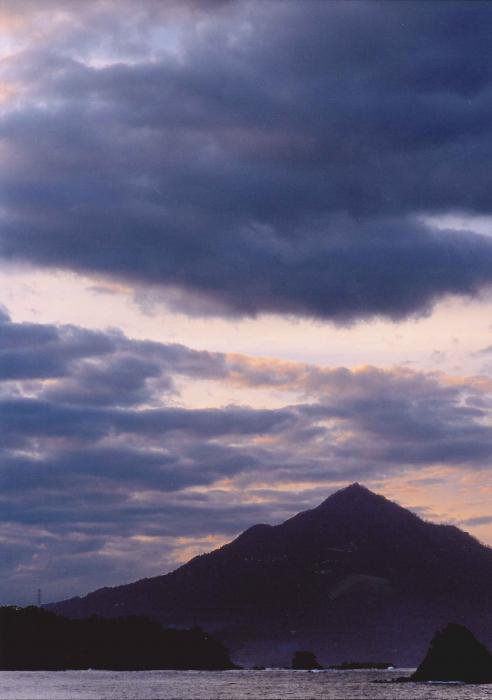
{"points": [[356, 577]]}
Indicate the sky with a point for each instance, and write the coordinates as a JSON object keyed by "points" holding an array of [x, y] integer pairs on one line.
{"points": [[245, 260]]}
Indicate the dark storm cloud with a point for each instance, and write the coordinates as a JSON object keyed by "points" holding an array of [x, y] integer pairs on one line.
{"points": [[36, 418], [29, 350], [257, 156], [106, 412], [97, 367]]}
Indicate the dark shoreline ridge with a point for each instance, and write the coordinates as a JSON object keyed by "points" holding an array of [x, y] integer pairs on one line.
{"points": [[32, 639]]}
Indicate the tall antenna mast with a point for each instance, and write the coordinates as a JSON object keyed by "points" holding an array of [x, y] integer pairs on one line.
{"points": [[39, 597]]}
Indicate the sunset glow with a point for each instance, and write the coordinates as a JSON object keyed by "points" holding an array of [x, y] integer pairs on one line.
{"points": [[234, 277]]}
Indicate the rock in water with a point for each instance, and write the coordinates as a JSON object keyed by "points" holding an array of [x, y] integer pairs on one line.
{"points": [[305, 661], [455, 655]]}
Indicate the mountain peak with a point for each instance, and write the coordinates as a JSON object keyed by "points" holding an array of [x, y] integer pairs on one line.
{"points": [[358, 499], [355, 488], [353, 491]]}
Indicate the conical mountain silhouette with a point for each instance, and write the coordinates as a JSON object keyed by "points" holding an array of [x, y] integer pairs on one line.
{"points": [[358, 577]]}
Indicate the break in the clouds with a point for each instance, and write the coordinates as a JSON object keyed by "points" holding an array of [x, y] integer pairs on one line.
{"points": [[239, 158], [107, 475]]}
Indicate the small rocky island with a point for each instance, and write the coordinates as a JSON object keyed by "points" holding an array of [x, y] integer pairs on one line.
{"points": [[305, 661], [362, 665], [32, 639], [455, 655]]}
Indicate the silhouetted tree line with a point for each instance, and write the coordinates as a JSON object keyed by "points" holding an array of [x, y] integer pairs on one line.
{"points": [[34, 639]]}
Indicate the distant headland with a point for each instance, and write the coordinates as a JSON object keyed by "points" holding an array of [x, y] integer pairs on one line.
{"points": [[34, 639]]}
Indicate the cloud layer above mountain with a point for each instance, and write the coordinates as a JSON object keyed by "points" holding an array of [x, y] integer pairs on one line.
{"points": [[239, 158]]}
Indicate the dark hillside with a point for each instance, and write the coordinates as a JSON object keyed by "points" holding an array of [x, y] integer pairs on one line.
{"points": [[33, 639], [356, 577]]}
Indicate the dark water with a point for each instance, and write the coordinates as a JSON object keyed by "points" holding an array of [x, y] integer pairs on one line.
{"points": [[238, 685]]}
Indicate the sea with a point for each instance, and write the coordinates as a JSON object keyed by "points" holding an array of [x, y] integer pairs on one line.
{"points": [[236, 685]]}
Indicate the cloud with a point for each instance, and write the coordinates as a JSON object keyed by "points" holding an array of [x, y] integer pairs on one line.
{"points": [[480, 520], [248, 157], [102, 471], [96, 367]]}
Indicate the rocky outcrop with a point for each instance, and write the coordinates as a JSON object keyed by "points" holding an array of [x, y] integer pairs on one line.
{"points": [[455, 655], [305, 661]]}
